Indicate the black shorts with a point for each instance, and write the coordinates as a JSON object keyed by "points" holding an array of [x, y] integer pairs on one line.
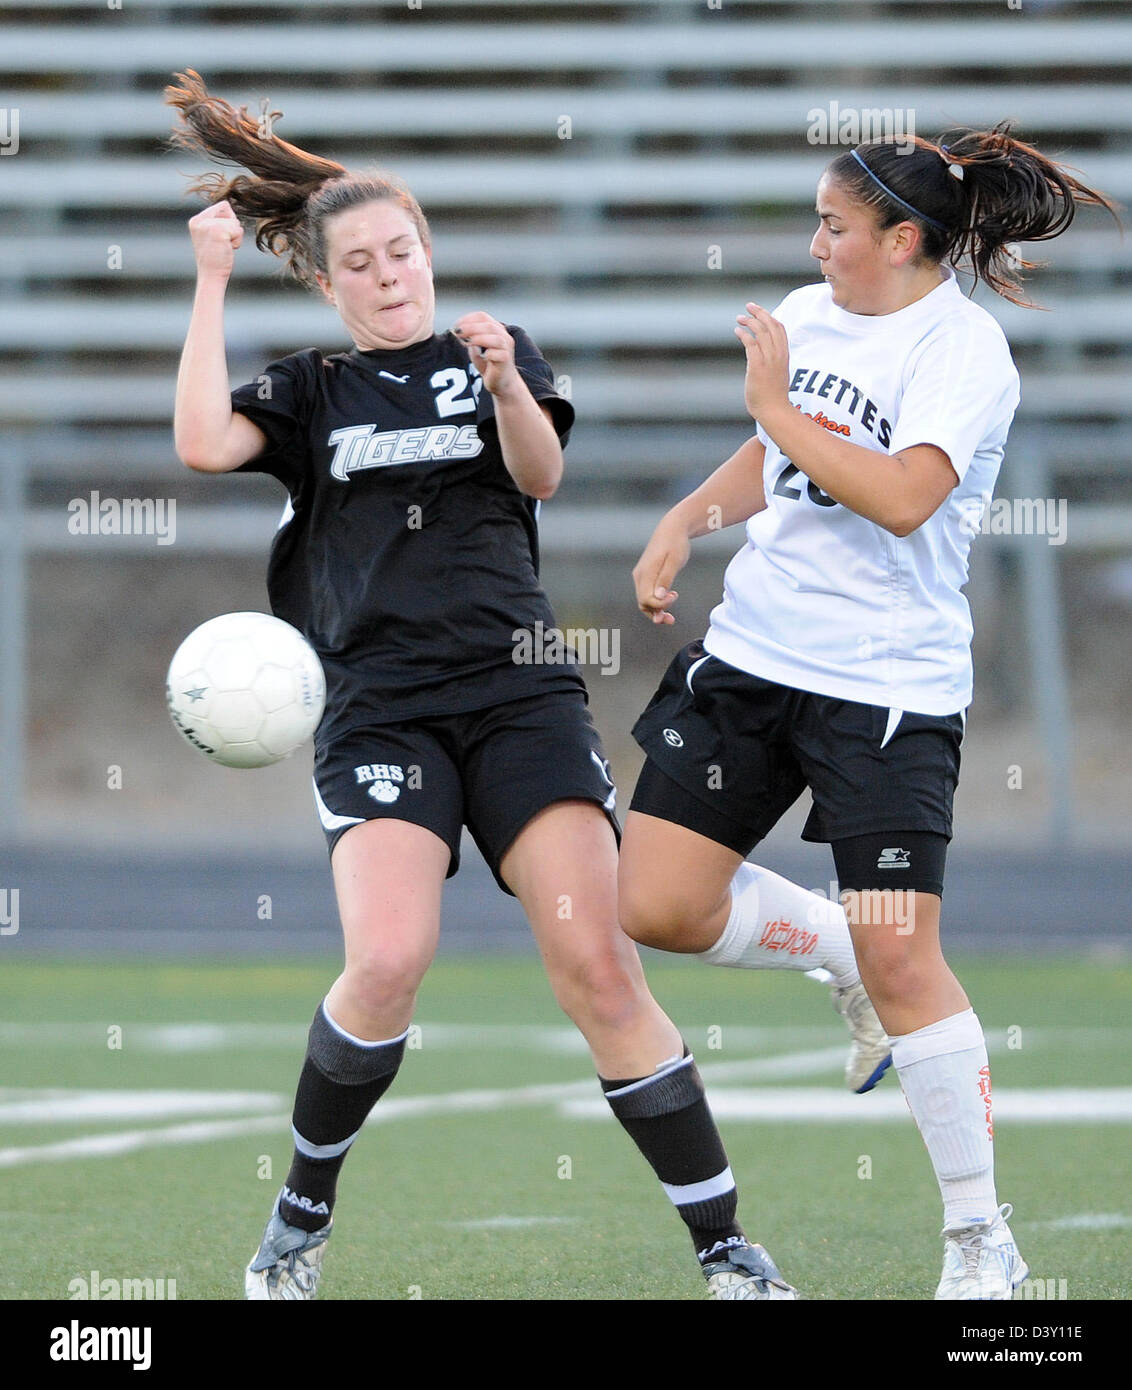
{"points": [[491, 770], [741, 750]]}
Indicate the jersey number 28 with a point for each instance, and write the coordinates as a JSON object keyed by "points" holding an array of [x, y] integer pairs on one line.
{"points": [[782, 488]]}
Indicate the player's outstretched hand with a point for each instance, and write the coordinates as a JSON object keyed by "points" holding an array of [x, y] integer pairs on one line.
{"points": [[216, 232], [661, 561], [768, 359], [491, 349]]}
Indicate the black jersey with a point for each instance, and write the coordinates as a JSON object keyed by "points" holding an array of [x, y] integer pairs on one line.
{"points": [[407, 555]]}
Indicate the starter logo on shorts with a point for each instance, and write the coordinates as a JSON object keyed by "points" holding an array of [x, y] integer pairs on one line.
{"points": [[357, 447], [381, 778], [895, 859], [672, 738]]}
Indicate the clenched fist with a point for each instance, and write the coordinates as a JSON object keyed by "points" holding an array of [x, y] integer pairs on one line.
{"points": [[216, 232]]}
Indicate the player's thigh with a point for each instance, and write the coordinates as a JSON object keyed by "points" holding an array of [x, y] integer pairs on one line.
{"points": [[883, 783], [679, 854], [390, 802], [892, 884], [518, 759], [718, 776], [673, 884], [388, 879], [891, 888], [562, 866], [540, 804], [892, 925]]}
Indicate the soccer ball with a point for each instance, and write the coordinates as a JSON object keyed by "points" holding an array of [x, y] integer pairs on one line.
{"points": [[245, 689]]}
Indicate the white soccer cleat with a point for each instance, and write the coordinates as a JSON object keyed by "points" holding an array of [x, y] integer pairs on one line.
{"points": [[980, 1259], [288, 1263], [744, 1271], [870, 1055]]}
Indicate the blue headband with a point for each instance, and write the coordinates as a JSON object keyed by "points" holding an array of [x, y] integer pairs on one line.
{"points": [[896, 197]]}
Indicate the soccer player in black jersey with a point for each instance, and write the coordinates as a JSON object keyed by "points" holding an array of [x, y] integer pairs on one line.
{"points": [[408, 557]]}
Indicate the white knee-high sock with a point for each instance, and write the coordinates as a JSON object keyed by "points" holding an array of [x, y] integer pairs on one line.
{"points": [[776, 925], [946, 1079]]}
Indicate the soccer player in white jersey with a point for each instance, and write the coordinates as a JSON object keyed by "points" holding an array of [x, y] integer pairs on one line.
{"points": [[839, 658]]}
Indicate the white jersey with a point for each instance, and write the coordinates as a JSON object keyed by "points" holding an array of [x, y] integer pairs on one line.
{"points": [[821, 599]]}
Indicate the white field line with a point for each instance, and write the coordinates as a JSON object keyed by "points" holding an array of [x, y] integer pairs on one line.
{"points": [[391, 1109], [217, 1037], [132, 1140], [57, 1106], [575, 1099], [821, 1105], [1088, 1221], [510, 1223]]}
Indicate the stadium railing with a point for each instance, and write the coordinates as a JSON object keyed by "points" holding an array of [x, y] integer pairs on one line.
{"points": [[675, 107]]}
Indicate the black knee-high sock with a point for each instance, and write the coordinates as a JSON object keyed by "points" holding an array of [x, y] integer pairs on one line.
{"points": [[341, 1081], [668, 1118]]}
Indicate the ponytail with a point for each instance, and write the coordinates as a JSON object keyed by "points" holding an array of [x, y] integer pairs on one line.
{"points": [[975, 195], [290, 193]]}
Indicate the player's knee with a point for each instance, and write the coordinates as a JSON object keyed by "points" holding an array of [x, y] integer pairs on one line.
{"points": [[381, 980], [641, 912], [599, 993], [652, 921], [891, 976]]}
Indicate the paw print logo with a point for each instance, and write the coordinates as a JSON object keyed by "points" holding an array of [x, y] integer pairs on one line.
{"points": [[384, 792]]}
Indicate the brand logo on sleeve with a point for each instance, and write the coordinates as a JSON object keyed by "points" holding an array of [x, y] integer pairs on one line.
{"points": [[895, 859]]}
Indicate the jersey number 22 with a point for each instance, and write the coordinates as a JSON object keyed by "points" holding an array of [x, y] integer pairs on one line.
{"points": [[452, 400]]}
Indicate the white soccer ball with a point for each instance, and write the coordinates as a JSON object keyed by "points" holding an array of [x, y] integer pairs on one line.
{"points": [[245, 689]]}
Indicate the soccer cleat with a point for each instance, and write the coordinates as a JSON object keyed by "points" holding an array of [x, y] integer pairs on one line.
{"points": [[743, 1271], [980, 1259], [288, 1263], [870, 1055]]}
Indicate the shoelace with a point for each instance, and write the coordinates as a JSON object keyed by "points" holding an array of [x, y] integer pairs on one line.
{"points": [[971, 1249], [296, 1269], [302, 1272]]}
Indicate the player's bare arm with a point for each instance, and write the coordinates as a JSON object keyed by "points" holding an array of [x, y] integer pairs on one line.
{"points": [[897, 491], [208, 435], [732, 494], [527, 436]]}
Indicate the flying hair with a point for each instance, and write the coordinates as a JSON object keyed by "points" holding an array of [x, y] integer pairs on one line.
{"points": [[287, 193]]}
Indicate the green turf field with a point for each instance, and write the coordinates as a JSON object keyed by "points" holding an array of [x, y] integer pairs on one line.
{"points": [[156, 1152]]}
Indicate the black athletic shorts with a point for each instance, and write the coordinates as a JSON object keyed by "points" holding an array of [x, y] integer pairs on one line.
{"points": [[741, 750], [491, 769]]}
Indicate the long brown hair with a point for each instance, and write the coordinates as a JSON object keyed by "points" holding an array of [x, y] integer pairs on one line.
{"points": [[287, 193], [1008, 192]]}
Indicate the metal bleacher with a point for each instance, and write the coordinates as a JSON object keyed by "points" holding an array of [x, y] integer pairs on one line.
{"points": [[618, 176]]}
